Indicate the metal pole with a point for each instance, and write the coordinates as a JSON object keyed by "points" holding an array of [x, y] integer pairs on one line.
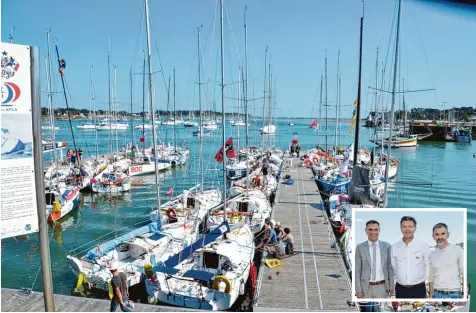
{"points": [[50, 99], [223, 105], [387, 163], [357, 117], [111, 146], [154, 141], [264, 95], [95, 114], [175, 139], [246, 89], [39, 183], [132, 128], [326, 102], [337, 102], [200, 156]]}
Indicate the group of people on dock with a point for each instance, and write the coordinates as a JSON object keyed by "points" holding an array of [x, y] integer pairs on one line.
{"points": [[383, 270], [277, 241]]}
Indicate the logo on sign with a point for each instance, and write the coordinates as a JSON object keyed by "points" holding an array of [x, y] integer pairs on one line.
{"points": [[10, 91], [27, 226], [136, 169]]}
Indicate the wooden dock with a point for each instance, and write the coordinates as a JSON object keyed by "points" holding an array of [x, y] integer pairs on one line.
{"points": [[14, 300], [314, 279]]}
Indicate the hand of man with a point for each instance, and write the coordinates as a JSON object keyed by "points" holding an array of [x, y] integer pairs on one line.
{"points": [[360, 295], [391, 292]]}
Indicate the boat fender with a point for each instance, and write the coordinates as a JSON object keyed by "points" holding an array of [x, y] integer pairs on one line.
{"points": [[252, 278], [218, 280], [82, 279], [56, 206]]}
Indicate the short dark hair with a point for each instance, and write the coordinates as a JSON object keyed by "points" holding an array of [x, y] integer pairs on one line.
{"points": [[287, 230], [408, 218], [439, 225], [372, 222]]}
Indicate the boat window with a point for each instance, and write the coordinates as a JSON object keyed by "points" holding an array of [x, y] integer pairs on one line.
{"points": [[210, 260], [242, 206], [190, 202], [50, 198]]}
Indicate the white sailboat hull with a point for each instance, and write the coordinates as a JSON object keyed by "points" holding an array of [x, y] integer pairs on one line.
{"points": [[268, 130]]}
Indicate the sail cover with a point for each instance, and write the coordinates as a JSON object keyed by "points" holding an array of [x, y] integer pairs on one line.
{"points": [[359, 189], [187, 251]]}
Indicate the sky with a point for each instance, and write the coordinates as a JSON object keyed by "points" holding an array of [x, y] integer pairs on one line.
{"points": [[390, 225], [437, 51]]}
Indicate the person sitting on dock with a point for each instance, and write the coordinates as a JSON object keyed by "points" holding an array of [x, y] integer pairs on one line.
{"points": [[279, 231], [269, 240], [120, 288], [288, 241]]}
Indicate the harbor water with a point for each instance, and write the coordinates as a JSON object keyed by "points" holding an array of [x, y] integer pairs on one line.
{"points": [[432, 175]]}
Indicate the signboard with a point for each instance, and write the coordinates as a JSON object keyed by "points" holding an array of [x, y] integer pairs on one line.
{"points": [[18, 191]]}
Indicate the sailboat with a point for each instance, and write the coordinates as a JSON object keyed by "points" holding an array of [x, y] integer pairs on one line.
{"points": [[212, 272]]}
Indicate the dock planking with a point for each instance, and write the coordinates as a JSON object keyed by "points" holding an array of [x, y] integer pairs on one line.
{"points": [[13, 300], [314, 279]]}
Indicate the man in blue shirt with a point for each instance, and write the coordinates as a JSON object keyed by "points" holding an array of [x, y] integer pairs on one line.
{"points": [[269, 238]]}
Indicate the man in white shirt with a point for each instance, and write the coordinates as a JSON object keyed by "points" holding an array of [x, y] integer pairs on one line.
{"points": [[410, 261], [446, 266], [374, 276]]}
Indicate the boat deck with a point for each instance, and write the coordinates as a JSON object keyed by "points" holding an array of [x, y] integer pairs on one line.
{"points": [[315, 278], [14, 300]]}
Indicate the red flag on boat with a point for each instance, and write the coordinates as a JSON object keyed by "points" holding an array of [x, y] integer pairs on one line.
{"points": [[315, 124], [230, 150], [170, 191]]}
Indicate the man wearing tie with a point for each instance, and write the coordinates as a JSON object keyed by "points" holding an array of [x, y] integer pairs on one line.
{"points": [[410, 260], [374, 276]]}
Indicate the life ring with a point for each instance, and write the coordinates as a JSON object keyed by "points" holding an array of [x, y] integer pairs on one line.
{"points": [[171, 214], [218, 280]]}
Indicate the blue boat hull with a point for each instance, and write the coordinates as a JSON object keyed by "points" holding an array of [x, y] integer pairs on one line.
{"points": [[329, 188]]}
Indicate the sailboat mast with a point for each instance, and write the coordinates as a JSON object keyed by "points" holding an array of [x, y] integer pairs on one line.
{"points": [[245, 93], [94, 108], [154, 141], [168, 112], [143, 107], [264, 93], [50, 97], [320, 102], [357, 117], [200, 160], [66, 100], [387, 163], [175, 139], [325, 73], [376, 103], [111, 147], [337, 101], [116, 108], [132, 128], [269, 105], [223, 105]]}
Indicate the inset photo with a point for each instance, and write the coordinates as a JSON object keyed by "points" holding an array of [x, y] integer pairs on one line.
{"points": [[409, 255]]}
